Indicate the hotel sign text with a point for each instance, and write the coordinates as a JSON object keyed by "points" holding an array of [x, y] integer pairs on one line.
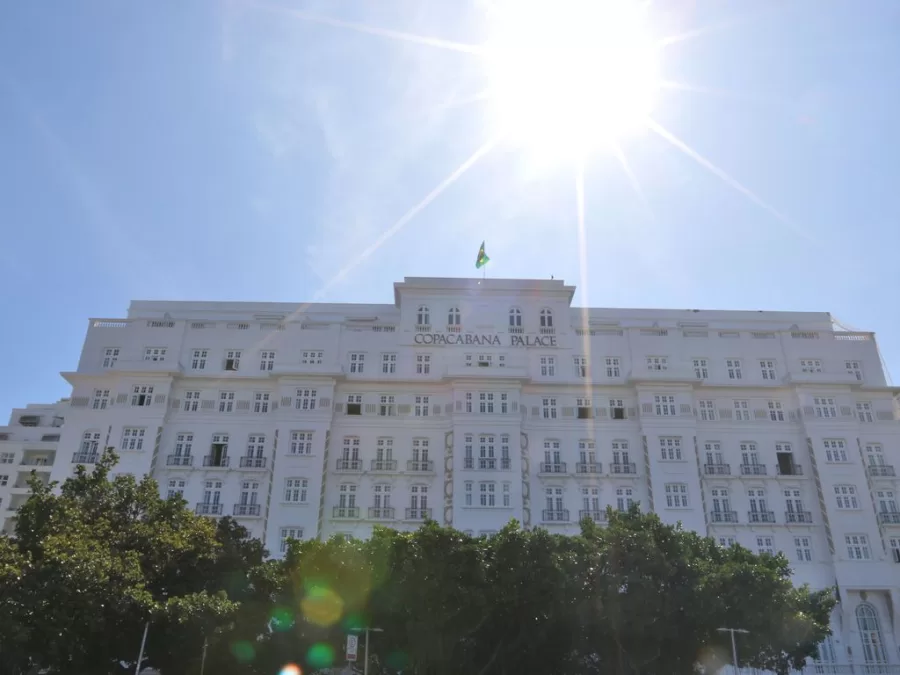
{"points": [[474, 340]]}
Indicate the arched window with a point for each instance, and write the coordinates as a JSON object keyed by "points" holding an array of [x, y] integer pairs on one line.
{"points": [[423, 316], [515, 317], [453, 317], [870, 634], [546, 318]]}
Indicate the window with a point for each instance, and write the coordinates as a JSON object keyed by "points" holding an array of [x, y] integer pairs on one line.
{"points": [[835, 450], [858, 547], [184, 443], [584, 409], [714, 456], [845, 495], [616, 409], [707, 411], [266, 360], [555, 500], [141, 395], [469, 460], [664, 405], [191, 401], [212, 491], [552, 456], [886, 501], [306, 399], [132, 438], [701, 369], [548, 366], [504, 403], [765, 545], [384, 449], [749, 454], [347, 496], [548, 408], [350, 451], [506, 495], [733, 367], [90, 445], [658, 363], [721, 503], [676, 496], [767, 369], [468, 493], [864, 412], [233, 359], [301, 442], [486, 492], [155, 354], [354, 404], [810, 366], [296, 490], [261, 402], [110, 356], [824, 407], [418, 499], [386, 407], [468, 401], [423, 316], [198, 359], [382, 498], [757, 497], [312, 357], [612, 366], [423, 364], [420, 453], [620, 456], [670, 447], [226, 401], [515, 318], [874, 454], [388, 364], [727, 542], [894, 545], [4, 480], [590, 500], [357, 362], [776, 411], [289, 534], [421, 406], [624, 498], [854, 368], [870, 634], [546, 318], [581, 366], [176, 488], [485, 402], [504, 451], [9, 457], [100, 400], [803, 548], [256, 446], [742, 411], [453, 317], [794, 504]]}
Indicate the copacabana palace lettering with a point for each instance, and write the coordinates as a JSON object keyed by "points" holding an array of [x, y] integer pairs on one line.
{"points": [[474, 340]]}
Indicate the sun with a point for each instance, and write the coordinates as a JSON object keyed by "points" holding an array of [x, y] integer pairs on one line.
{"points": [[567, 77]]}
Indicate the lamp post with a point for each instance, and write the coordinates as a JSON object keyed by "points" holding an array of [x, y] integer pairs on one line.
{"points": [[366, 652], [137, 668], [733, 643]]}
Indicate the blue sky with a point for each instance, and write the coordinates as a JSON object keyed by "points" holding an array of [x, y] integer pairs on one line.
{"points": [[234, 151]]}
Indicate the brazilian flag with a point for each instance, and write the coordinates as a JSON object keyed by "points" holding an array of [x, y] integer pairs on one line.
{"points": [[482, 258]]}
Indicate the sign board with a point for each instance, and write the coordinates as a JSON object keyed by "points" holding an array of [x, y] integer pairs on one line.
{"points": [[352, 644], [489, 340]]}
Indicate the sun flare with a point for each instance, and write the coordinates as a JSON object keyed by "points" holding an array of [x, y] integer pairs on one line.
{"points": [[568, 76]]}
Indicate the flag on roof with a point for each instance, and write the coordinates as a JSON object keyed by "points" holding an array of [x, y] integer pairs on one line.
{"points": [[482, 258]]}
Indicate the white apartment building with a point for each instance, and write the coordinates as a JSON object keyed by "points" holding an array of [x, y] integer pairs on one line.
{"points": [[476, 401]]}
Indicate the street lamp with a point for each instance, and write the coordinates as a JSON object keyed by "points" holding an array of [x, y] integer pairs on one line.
{"points": [[733, 643], [366, 654]]}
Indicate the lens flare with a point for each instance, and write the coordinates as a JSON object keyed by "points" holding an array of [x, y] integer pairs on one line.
{"points": [[322, 606], [243, 651], [320, 655], [291, 669]]}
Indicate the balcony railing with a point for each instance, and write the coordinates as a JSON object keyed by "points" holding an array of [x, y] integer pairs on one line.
{"points": [[889, 517], [596, 516], [205, 509], [885, 470], [246, 509], [487, 463], [760, 516], [794, 470], [723, 516], [627, 468], [253, 462], [384, 465], [556, 515], [85, 458], [588, 468], [717, 469], [547, 330], [420, 465], [349, 465], [849, 669], [753, 469], [793, 517], [381, 513], [214, 461], [345, 512], [553, 467], [36, 461], [418, 514], [180, 460]]}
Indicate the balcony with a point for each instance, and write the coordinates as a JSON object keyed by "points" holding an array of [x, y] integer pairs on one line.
{"points": [[623, 469], [85, 458], [345, 512], [588, 468], [881, 470], [761, 517], [596, 516], [793, 470], [487, 464], [216, 461], [179, 460], [723, 516], [889, 517], [381, 513], [420, 466], [37, 461], [418, 514], [798, 517], [555, 516], [253, 462], [383, 465], [717, 469], [348, 465], [247, 510], [205, 509], [753, 469], [553, 468]]}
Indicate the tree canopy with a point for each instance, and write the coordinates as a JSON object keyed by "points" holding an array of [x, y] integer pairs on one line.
{"points": [[92, 562]]}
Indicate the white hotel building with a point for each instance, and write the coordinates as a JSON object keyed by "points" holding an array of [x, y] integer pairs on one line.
{"points": [[473, 402]]}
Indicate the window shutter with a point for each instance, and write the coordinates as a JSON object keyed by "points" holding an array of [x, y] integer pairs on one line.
{"points": [[286, 401], [600, 412], [435, 409], [122, 398], [686, 409], [79, 401], [338, 407], [175, 403], [846, 411], [535, 411], [646, 408], [159, 399], [630, 413], [726, 413], [274, 405], [459, 406], [404, 409], [568, 411], [884, 415], [448, 408], [207, 405], [371, 408], [808, 410], [514, 406], [324, 402], [792, 415], [243, 405], [759, 414]]}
